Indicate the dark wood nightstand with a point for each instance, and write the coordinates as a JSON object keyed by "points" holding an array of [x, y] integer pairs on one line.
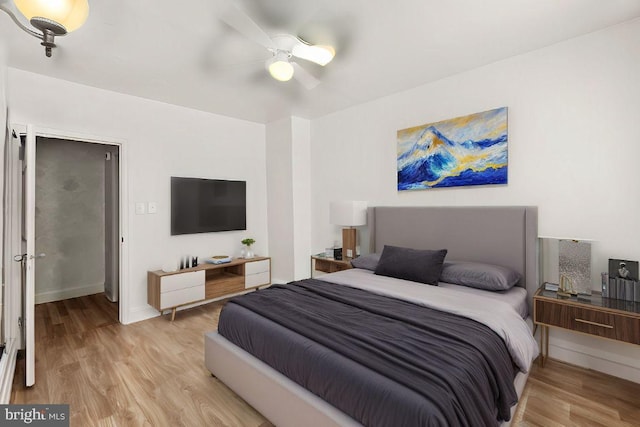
{"points": [[592, 315], [328, 265]]}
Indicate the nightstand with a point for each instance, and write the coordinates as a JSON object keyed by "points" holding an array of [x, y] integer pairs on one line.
{"points": [[328, 265], [592, 315]]}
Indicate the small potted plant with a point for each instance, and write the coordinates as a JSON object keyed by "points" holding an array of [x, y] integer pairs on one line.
{"points": [[248, 253]]}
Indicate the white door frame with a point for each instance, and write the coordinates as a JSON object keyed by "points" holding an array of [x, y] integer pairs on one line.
{"points": [[28, 304], [13, 284], [123, 299]]}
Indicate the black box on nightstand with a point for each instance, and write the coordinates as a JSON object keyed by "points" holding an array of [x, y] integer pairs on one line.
{"points": [[337, 253]]}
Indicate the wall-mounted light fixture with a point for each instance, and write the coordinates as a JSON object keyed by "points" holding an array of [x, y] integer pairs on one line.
{"points": [[51, 18]]}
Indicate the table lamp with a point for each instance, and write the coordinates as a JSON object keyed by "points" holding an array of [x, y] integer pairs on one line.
{"points": [[351, 214]]}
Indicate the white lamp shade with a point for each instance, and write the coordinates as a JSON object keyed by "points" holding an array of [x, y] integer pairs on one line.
{"points": [[349, 213], [70, 13]]}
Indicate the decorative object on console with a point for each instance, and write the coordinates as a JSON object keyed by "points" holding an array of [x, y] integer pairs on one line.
{"points": [[622, 280], [566, 262], [186, 262], [574, 258], [51, 18], [468, 150], [219, 259], [623, 269], [248, 253], [351, 214]]}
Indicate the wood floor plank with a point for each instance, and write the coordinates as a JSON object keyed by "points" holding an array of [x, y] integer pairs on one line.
{"points": [[152, 373]]}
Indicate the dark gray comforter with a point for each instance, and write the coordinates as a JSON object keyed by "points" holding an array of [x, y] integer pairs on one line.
{"points": [[383, 361]]}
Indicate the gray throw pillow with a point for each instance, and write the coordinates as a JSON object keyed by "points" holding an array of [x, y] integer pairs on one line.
{"points": [[424, 266], [479, 275], [367, 262]]}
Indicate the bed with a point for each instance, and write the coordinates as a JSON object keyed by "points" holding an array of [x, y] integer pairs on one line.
{"points": [[505, 236]]}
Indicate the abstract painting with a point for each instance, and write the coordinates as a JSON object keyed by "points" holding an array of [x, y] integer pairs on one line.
{"points": [[468, 150]]}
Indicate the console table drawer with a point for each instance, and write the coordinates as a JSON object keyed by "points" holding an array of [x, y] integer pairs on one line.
{"points": [[181, 281], [589, 321], [253, 280], [255, 267], [181, 296]]}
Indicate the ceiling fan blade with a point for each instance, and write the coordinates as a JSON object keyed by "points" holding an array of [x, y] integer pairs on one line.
{"points": [[236, 18], [321, 55], [305, 78]]}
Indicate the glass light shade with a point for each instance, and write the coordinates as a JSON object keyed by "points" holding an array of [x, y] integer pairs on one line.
{"points": [[281, 70], [319, 54], [70, 13]]}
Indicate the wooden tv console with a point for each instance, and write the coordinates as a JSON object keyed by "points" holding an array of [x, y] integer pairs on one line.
{"points": [[170, 290]]}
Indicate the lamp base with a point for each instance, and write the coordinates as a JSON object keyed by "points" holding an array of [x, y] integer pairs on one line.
{"points": [[348, 243]]}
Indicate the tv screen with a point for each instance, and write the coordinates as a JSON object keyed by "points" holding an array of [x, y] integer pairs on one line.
{"points": [[206, 205]]}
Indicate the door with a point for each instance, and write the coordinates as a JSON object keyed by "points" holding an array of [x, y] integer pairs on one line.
{"points": [[29, 237]]}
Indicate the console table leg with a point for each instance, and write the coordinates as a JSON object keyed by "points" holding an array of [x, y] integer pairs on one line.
{"points": [[173, 314], [546, 344]]}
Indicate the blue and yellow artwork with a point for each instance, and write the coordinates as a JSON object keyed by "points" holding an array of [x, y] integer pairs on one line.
{"points": [[468, 150]]}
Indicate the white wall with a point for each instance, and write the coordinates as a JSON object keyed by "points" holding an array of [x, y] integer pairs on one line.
{"points": [[301, 154], [573, 151], [288, 182], [161, 141], [280, 196]]}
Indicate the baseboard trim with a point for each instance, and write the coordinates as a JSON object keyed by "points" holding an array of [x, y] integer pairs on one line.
{"points": [[591, 361], [139, 314], [60, 294], [7, 371]]}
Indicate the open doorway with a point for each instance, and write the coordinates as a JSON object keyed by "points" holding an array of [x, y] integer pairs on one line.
{"points": [[74, 306], [77, 234]]}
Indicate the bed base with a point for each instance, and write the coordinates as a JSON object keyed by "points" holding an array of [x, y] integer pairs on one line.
{"points": [[503, 235], [276, 397]]}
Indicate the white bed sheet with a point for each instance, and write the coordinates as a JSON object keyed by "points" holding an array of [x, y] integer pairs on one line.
{"points": [[516, 297], [499, 315]]}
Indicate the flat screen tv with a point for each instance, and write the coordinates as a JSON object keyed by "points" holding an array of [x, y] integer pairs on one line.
{"points": [[207, 205]]}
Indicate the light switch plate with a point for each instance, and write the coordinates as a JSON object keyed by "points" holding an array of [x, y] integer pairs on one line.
{"points": [[140, 208], [152, 207]]}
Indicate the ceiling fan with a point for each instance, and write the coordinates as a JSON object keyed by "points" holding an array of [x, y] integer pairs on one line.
{"points": [[283, 47]]}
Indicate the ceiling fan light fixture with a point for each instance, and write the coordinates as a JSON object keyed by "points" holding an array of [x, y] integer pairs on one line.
{"points": [[319, 54], [71, 14], [280, 68]]}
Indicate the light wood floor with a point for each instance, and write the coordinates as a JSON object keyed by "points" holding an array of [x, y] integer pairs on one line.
{"points": [[152, 373]]}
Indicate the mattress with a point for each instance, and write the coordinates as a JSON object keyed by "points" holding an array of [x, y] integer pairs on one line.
{"points": [[516, 297], [303, 361]]}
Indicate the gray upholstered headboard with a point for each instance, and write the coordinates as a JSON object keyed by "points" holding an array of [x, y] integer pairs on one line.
{"points": [[502, 235]]}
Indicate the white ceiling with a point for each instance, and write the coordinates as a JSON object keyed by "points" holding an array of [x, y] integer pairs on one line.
{"points": [[181, 53]]}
